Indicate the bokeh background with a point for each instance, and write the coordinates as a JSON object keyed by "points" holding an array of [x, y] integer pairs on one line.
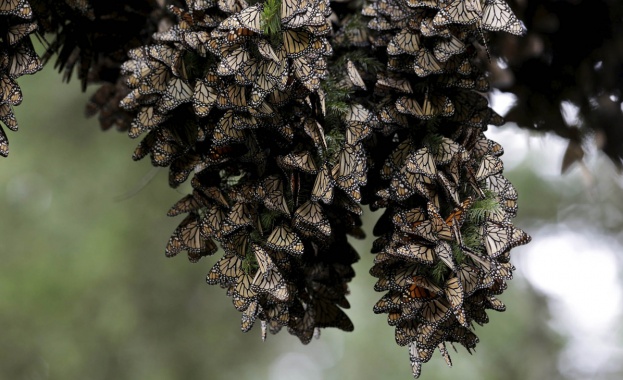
{"points": [[86, 291]]}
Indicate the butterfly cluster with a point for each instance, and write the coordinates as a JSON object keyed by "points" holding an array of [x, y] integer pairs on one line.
{"points": [[443, 251], [547, 77], [17, 58], [286, 116], [238, 105]]}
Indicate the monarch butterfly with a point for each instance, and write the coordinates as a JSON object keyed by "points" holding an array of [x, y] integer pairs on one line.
{"points": [[4, 144], [323, 186], [493, 303], [405, 334], [425, 63], [241, 292], [396, 159], [235, 98], [404, 42], [304, 71], [392, 300], [264, 261], [278, 72], [277, 315], [178, 91], [381, 24], [236, 244], [225, 133], [416, 252], [464, 336], [225, 271], [354, 75], [465, 67], [249, 315], [457, 12], [146, 119], [10, 91], [240, 215], [169, 56], [422, 288], [500, 185], [204, 98], [187, 237], [432, 4], [156, 80], [330, 315], [311, 19], [468, 103], [405, 184], [440, 227], [251, 18], [19, 8], [271, 193], [271, 283], [426, 230], [397, 83], [490, 165], [497, 286], [24, 60], [409, 219], [454, 292], [444, 252], [296, 43], [484, 146], [499, 237], [165, 148], [497, 15], [458, 215], [444, 152], [349, 171], [353, 36], [449, 188], [408, 105], [444, 352], [470, 278], [301, 321], [436, 106], [232, 60], [428, 29], [291, 8], [16, 33], [446, 48], [303, 161], [435, 311], [309, 216], [187, 204], [496, 119], [414, 357], [212, 221], [267, 51], [390, 115], [264, 110], [314, 130], [284, 239], [199, 5], [422, 162]]}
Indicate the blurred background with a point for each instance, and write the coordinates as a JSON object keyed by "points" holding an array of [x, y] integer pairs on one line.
{"points": [[86, 291]]}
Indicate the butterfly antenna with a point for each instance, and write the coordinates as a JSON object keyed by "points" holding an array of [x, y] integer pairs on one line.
{"points": [[484, 42], [147, 178]]}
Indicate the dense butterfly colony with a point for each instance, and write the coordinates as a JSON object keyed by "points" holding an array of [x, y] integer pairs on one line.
{"points": [[291, 115], [17, 58], [547, 72]]}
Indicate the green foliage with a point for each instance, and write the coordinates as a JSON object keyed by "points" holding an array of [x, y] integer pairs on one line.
{"points": [[271, 22], [481, 207]]}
